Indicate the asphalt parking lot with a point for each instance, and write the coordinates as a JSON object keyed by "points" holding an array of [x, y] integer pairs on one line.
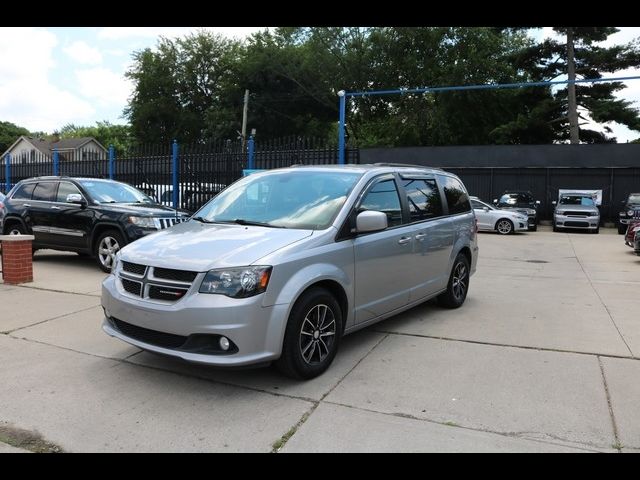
{"points": [[543, 357]]}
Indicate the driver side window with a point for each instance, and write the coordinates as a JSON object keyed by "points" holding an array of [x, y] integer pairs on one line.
{"points": [[383, 197]]}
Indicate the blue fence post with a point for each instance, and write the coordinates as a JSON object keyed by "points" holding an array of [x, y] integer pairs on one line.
{"points": [[250, 148], [343, 98], [7, 172], [56, 162], [112, 161], [174, 167]]}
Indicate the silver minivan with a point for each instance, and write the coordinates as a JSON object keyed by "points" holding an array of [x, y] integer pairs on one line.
{"points": [[283, 263]]}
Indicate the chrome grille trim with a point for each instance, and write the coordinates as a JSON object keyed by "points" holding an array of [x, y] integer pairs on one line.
{"points": [[148, 286]]}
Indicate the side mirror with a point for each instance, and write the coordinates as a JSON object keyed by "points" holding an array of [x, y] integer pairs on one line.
{"points": [[371, 221], [537, 202], [76, 198], [486, 209], [495, 201], [554, 202]]}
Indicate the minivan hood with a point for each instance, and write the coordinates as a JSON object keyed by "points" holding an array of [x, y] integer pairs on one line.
{"points": [[200, 247]]}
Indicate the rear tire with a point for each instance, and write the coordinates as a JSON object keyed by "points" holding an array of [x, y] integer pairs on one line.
{"points": [[15, 229], [458, 284], [312, 336]]}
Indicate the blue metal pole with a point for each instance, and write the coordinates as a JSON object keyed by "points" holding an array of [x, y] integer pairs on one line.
{"points": [[56, 162], [250, 148], [7, 172], [112, 161], [174, 163], [342, 94]]}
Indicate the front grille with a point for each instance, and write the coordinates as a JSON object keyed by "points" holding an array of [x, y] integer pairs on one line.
{"points": [[157, 292], [152, 337], [576, 224], [576, 214], [177, 275], [134, 288], [134, 268], [170, 222]]}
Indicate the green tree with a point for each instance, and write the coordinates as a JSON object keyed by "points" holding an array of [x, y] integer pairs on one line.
{"points": [[106, 133], [178, 85], [9, 133], [552, 58]]}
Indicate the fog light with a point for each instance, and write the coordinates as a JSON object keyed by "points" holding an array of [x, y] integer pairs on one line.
{"points": [[224, 343]]}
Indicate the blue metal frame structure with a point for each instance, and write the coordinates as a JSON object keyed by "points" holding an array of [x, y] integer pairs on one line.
{"points": [[342, 95]]}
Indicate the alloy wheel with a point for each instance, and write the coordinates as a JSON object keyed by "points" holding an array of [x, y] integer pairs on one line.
{"points": [[460, 280], [317, 334], [107, 251]]}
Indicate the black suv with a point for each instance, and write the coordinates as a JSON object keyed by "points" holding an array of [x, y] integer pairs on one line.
{"points": [[630, 208], [522, 202], [86, 215]]}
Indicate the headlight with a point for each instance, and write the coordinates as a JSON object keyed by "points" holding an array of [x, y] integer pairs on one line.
{"points": [[594, 214], [559, 212], [531, 211], [239, 282], [630, 213], [143, 222]]}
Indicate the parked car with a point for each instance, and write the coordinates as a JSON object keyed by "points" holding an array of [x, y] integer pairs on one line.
{"points": [[86, 215], [492, 219], [629, 235], [283, 263], [630, 210], [520, 201], [576, 210]]}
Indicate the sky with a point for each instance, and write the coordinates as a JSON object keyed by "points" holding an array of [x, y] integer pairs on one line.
{"points": [[50, 77]]}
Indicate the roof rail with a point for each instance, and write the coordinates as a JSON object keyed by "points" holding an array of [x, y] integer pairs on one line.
{"points": [[390, 164]]}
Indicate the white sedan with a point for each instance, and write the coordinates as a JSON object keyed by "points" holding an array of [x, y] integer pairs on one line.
{"points": [[491, 218]]}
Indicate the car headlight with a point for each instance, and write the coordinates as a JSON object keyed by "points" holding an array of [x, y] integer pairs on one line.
{"points": [[239, 282], [531, 211], [560, 212], [143, 222], [630, 213], [594, 214]]}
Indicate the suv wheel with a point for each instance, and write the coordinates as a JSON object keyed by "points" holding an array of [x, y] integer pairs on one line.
{"points": [[312, 336], [107, 246], [16, 229], [458, 285], [504, 226]]}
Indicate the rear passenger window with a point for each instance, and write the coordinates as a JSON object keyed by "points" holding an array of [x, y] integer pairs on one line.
{"points": [[44, 191], [384, 197], [457, 197], [24, 192], [423, 198]]}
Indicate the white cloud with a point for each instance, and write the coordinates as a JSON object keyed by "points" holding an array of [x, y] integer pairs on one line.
{"points": [[83, 53], [104, 86], [27, 98]]}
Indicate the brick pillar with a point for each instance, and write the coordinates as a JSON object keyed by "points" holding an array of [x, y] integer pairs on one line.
{"points": [[17, 258]]}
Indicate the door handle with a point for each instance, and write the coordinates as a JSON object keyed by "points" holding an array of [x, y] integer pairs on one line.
{"points": [[421, 236], [26, 204], [404, 240], [53, 207]]}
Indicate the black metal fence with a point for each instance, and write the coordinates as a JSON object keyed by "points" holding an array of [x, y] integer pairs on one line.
{"points": [[200, 171]]}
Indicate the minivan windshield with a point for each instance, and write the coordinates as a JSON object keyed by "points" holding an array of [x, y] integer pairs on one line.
{"points": [[577, 200], [114, 192], [304, 199]]}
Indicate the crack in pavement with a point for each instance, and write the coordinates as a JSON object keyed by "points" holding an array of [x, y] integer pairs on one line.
{"points": [[9, 332]]}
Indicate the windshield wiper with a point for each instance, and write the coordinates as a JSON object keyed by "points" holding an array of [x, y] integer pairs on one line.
{"points": [[201, 219], [242, 221]]}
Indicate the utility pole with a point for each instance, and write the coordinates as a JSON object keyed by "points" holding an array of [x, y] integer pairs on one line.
{"points": [[574, 136], [245, 109]]}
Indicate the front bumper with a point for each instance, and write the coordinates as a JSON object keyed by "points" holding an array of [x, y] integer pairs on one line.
{"points": [[580, 223], [256, 331], [519, 225]]}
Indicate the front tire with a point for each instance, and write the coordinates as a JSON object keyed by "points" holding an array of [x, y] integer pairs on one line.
{"points": [[312, 336], [504, 226], [458, 284], [106, 247]]}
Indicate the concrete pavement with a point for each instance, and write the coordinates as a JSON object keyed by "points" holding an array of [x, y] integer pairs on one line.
{"points": [[542, 357]]}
